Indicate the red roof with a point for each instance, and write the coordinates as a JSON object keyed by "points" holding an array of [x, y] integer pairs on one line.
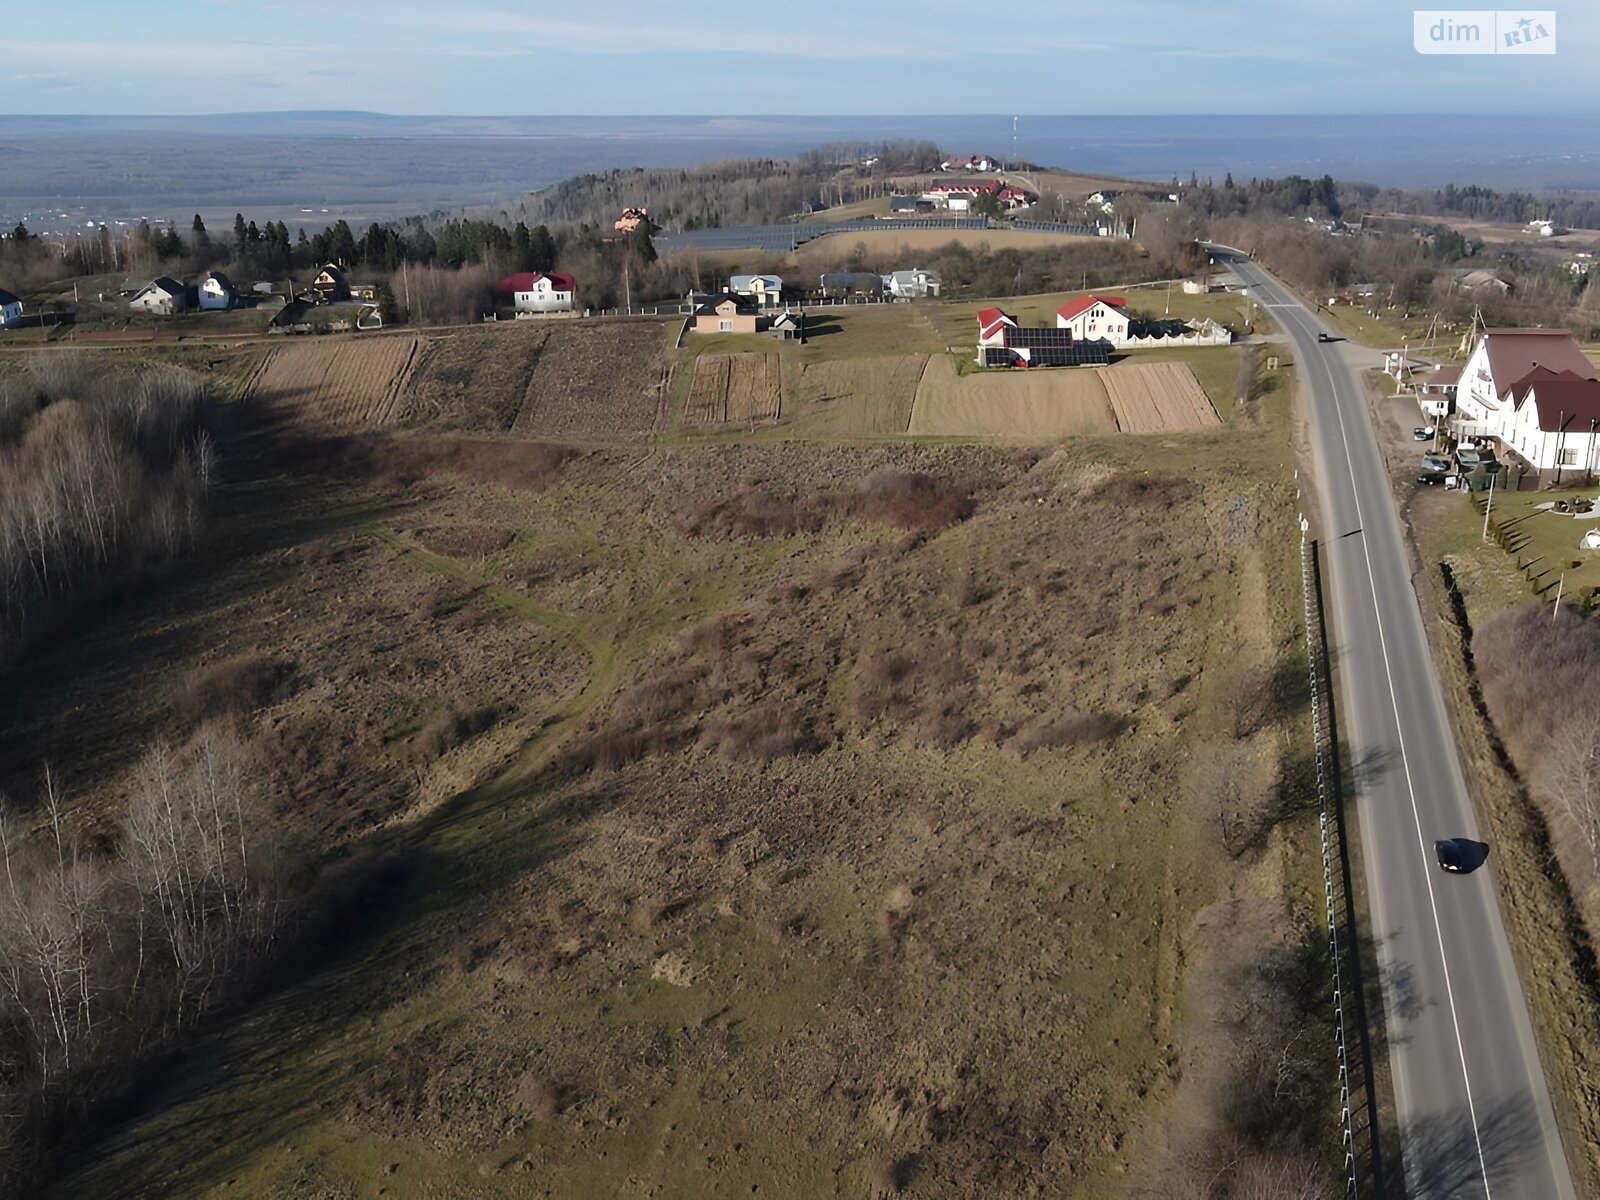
{"points": [[1565, 403], [990, 319], [1083, 304], [523, 281], [1539, 377], [973, 186], [1513, 353]]}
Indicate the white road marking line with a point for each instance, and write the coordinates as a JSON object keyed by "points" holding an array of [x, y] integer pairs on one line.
{"points": [[1405, 765]]}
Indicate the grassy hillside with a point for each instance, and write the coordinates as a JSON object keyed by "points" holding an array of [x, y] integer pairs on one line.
{"points": [[786, 818]]}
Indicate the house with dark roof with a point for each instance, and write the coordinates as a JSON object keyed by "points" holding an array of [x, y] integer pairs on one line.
{"points": [[1502, 359], [536, 291], [726, 313], [1436, 390], [909, 206], [841, 284], [164, 296], [10, 310], [330, 284]]}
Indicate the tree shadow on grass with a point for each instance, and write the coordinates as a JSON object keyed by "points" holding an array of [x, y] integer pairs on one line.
{"points": [[386, 921]]}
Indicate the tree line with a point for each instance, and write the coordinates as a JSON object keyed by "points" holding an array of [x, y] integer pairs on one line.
{"points": [[105, 955], [105, 475]]}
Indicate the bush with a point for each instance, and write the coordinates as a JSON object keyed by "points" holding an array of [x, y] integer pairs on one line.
{"points": [[450, 727], [236, 687], [1068, 731]]}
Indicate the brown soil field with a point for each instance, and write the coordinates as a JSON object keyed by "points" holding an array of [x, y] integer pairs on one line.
{"points": [[336, 384], [1010, 404], [856, 397], [474, 379], [1158, 398], [735, 389], [600, 381]]}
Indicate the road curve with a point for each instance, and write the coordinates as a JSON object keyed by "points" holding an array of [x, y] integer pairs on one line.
{"points": [[1472, 1103]]}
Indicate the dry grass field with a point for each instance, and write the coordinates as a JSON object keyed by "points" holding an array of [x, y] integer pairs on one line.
{"points": [[856, 397], [1161, 397], [1030, 405], [735, 389], [597, 381], [336, 383], [704, 784], [475, 379], [906, 244]]}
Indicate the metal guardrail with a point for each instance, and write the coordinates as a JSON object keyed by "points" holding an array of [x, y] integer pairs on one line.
{"points": [[1327, 815]]}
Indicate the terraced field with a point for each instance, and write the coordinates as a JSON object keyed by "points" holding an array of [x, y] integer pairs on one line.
{"points": [[336, 384]]}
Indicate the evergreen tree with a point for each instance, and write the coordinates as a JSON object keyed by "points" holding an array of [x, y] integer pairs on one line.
{"points": [[541, 249], [20, 234], [202, 240], [521, 247], [239, 235], [342, 244]]}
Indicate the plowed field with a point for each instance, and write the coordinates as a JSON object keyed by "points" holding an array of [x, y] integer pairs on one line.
{"points": [[1043, 403], [738, 389], [336, 384], [1158, 398]]}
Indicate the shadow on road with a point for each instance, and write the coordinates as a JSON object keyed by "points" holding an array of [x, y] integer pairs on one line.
{"points": [[1442, 1149]]}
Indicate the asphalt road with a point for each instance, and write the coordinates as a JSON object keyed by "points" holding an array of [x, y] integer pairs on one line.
{"points": [[1473, 1107]]}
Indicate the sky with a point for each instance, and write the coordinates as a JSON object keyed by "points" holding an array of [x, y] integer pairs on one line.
{"points": [[827, 57]]}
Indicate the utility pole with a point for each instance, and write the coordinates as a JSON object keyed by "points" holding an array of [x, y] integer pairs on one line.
{"points": [[1555, 612], [1488, 508]]}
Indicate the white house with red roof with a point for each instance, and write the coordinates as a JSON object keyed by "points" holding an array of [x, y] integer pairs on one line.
{"points": [[1095, 319], [1554, 422], [992, 326], [1502, 359], [537, 291]]}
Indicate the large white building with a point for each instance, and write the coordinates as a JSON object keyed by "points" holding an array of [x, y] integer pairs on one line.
{"points": [[1534, 392], [538, 291]]}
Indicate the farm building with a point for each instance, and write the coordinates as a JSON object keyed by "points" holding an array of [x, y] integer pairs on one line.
{"points": [[330, 284], [765, 290], [216, 291], [163, 296], [10, 309], [789, 326], [913, 284], [726, 313], [1004, 343], [1095, 318], [293, 317], [537, 291], [909, 206]]}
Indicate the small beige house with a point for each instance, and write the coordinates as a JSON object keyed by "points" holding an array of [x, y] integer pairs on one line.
{"points": [[726, 313]]}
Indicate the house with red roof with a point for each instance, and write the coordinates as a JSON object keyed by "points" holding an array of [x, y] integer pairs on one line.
{"points": [[1002, 342], [969, 162], [1096, 319], [1502, 359], [1555, 420], [536, 292]]}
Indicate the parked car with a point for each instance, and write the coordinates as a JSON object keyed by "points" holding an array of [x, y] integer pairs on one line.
{"points": [[1436, 462], [1422, 433], [1472, 456], [1433, 477]]}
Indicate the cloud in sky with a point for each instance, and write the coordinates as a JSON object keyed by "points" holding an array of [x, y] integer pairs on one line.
{"points": [[831, 56]]}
